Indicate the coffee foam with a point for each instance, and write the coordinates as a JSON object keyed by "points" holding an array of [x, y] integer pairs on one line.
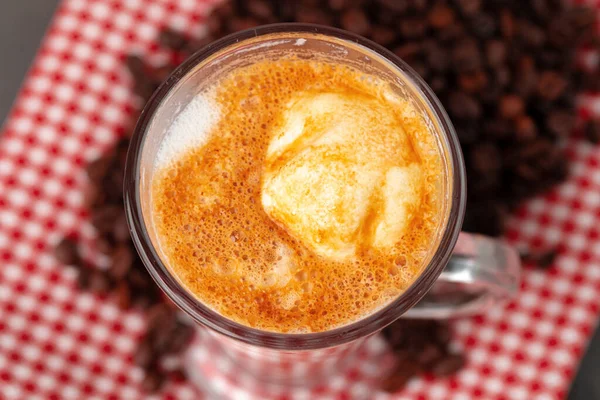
{"points": [[191, 128], [224, 248]]}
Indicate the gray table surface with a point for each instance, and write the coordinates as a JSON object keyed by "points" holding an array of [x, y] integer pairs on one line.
{"points": [[22, 25]]}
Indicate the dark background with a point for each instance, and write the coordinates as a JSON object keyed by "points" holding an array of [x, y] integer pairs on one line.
{"points": [[22, 26]]}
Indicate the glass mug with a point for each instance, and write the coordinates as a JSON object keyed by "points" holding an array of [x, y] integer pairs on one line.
{"points": [[466, 274]]}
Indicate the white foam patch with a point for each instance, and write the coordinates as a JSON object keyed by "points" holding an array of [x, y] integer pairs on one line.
{"points": [[191, 128]]}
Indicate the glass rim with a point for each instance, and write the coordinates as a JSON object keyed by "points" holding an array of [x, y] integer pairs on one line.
{"points": [[291, 341]]}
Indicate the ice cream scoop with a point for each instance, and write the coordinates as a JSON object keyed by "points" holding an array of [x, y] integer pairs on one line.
{"points": [[341, 173]]}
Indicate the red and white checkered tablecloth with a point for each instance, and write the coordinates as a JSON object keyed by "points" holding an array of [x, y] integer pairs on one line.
{"points": [[58, 342]]}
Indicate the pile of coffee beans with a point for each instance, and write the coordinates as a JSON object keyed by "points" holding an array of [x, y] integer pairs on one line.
{"points": [[126, 280], [166, 335], [420, 347], [507, 73]]}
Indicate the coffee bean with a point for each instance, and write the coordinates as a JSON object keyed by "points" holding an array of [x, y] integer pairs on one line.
{"points": [[120, 229], [317, 3], [561, 32], [160, 74], [153, 380], [162, 336], [172, 39], [498, 128], [511, 106], [66, 252], [560, 123], [436, 57], [123, 295], [483, 25], [104, 245], [339, 5], [583, 22], [526, 76], [197, 44], [531, 35], [92, 196], [441, 16], [429, 355], [180, 338], [489, 96], [541, 8], [112, 184], [591, 81], [399, 377], [451, 34], [495, 51], [449, 365], [313, 16], [240, 24], [227, 9], [139, 280], [356, 21], [136, 66], [442, 334], [463, 106], [551, 85], [501, 76], [103, 218], [144, 84], [98, 281], [215, 24], [383, 35], [122, 260], [469, 7], [525, 128], [97, 169], [552, 59], [507, 24], [485, 158], [592, 131], [83, 278], [468, 132], [472, 82], [144, 355], [488, 218], [542, 260], [178, 375], [395, 6], [438, 83], [159, 313], [260, 9], [466, 56], [286, 10], [408, 51], [412, 28], [395, 336], [420, 67], [526, 172]]}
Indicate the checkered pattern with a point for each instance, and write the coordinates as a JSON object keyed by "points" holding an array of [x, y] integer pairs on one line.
{"points": [[352, 371], [57, 342]]}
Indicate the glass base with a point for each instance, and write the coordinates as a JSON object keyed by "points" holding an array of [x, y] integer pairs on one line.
{"points": [[214, 372]]}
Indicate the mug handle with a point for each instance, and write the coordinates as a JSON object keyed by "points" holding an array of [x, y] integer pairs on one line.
{"points": [[481, 272]]}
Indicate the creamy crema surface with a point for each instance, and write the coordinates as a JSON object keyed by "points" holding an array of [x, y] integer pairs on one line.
{"points": [[297, 195]]}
